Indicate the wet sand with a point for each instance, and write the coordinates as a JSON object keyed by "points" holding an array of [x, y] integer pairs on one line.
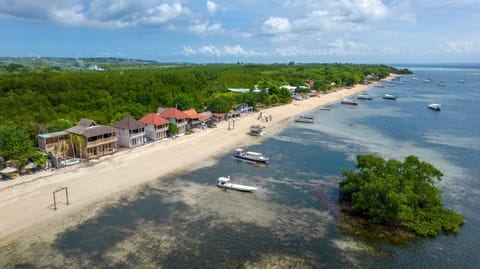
{"points": [[26, 203]]}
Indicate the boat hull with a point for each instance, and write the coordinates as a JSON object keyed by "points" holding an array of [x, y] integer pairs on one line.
{"points": [[435, 107], [248, 159], [237, 187]]}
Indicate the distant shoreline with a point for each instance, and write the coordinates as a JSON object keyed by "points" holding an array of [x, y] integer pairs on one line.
{"points": [[26, 204]]}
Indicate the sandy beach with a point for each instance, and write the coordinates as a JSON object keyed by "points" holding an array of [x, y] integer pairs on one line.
{"points": [[26, 203]]}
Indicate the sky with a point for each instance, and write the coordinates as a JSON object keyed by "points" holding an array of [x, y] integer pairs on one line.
{"points": [[248, 31]]}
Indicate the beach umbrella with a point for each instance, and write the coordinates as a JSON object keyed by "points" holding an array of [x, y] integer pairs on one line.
{"points": [[8, 170], [30, 166]]}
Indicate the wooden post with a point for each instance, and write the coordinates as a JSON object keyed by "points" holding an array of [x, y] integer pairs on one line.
{"points": [[54, 198]]}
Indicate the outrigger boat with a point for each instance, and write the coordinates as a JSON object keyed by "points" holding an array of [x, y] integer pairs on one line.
{"points": [[436, 107], [250, 156], [224, 182], [257, 130], [364, 96], [304, 118], [347, 101], [389, 97]]}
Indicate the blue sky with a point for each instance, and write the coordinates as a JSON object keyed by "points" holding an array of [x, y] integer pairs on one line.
{"points": [[358, 31]]}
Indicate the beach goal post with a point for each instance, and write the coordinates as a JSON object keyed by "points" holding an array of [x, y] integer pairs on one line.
{"points": [[54, 196]]}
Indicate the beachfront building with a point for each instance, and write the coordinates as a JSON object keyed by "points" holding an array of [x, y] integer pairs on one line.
{"points": [[52, 142], [93, 140], [156, 127], [175, 116], [238, 90], [193, 120], [130, 132], [218, 116], [244, 108]]}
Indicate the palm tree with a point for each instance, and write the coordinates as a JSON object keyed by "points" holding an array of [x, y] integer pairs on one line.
{"points": [[71, 139], [80, 144], [64, 147]]}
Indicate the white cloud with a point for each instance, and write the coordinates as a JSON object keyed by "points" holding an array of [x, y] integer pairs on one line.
{"points": [[206, 27], [462, 46], [337, 47], [363, 10], [276, 25], [211, 50], [97, 13], [212, 7]]}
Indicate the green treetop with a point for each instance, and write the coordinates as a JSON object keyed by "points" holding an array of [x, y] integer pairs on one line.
{"points": [[398, 193]]}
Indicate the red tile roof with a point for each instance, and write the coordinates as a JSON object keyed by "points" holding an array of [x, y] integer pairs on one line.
{"points": [[191, 113], [154, 119], [172, 113]]}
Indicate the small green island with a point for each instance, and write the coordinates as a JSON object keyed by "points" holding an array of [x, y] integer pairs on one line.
{"points": [[399, 195]]}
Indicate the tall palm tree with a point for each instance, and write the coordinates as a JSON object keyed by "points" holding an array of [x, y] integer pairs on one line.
{"points": [[71, 140], [64, 147], [80, 144]]}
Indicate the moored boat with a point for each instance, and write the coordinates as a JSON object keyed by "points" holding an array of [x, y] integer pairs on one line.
{"points": [[257, 130], [304, 118], [224, 182], [436, 107], [364, 96], [389, 97], [251, 156], [349, 102]]}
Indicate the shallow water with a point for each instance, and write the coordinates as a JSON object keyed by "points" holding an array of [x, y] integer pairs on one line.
{"points": [[185, 221]]}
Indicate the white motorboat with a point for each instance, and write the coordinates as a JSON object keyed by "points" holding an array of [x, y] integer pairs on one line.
{"points": [[304, 118], [224, 182], [436, 107], [347, 101], [389, 97], [364, 96], [250, 156]]}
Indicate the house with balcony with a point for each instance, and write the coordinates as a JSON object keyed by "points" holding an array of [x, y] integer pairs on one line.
{"points": [[156, 127], [193, 120], [93, 140], [52, 142], [175, 116], [130, 132]]}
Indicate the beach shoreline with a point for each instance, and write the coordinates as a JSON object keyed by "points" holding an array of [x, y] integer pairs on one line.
{"points": [[26, 205]]}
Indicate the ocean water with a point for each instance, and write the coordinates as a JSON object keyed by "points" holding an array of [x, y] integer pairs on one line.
{"points": [[185, 221]]}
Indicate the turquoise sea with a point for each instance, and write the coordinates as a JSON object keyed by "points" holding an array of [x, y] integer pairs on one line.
{"points": [[185, 221]]}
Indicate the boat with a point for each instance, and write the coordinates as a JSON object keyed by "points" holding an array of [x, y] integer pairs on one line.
{"points": [[441, 84], [436, 107], [251, 156], [349, 102], [389, 97], [364, 96], [257, 130], [304, 118], [224, 182]]}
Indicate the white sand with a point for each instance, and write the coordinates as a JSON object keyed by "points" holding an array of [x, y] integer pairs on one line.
{"points": [[27, 203]]}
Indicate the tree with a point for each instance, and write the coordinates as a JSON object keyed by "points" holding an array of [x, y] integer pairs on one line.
{"points": [[182, 102], [15, 144], [220, 104], [172, 129], [397, 193]]}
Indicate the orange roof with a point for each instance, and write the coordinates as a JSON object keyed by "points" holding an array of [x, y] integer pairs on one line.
{"points": [[154, 119], [191, 113], [172, 113]]}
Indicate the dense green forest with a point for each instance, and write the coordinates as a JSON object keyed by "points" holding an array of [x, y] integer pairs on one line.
{"points": [[50, 101], [399, 194]]}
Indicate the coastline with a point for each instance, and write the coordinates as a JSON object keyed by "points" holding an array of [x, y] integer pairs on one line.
{"points": [[27, 205]]}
